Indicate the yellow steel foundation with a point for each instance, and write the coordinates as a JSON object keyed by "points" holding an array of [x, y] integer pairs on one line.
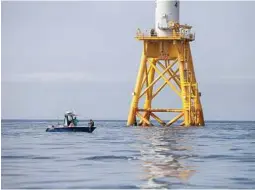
{"points": [[161, 55]]}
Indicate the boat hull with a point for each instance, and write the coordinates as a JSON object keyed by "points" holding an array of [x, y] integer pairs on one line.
{"points": [[71, 129]]}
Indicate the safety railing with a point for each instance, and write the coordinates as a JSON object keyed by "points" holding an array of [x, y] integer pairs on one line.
{"points": [[177, 35]]}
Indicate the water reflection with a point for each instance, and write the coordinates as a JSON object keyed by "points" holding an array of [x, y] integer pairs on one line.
{"points": [[164, 152]]}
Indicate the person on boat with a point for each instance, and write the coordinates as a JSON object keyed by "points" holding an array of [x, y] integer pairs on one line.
{"points": [[91, 124], [75, 121]]}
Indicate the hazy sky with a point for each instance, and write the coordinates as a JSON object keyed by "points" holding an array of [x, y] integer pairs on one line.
{"points": [[82, 56]]}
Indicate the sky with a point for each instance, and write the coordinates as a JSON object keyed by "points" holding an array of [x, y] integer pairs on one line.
{"points": [[82, 56]]}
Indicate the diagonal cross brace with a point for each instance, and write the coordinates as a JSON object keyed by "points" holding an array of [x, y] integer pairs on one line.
{"points": [[151, 65], [162, 76]]}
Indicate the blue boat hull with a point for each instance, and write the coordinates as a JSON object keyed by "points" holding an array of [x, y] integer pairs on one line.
{"points": [[71, 129]]}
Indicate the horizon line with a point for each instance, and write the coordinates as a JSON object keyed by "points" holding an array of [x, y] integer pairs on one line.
{"points": [[114, 120]]}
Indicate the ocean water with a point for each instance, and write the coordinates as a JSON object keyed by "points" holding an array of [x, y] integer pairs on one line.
{"points": [[219, 155]]}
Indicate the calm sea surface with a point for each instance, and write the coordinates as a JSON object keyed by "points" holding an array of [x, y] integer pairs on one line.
{"points": [[220, 155]]}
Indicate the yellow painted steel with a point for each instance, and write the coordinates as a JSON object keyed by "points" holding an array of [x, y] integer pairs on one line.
{"points": [[147, 104], [170, 50]]}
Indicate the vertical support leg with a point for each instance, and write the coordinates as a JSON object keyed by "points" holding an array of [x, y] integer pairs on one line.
{"points": [[136, 94], [199, 119], [147, 104], [183, 80]]}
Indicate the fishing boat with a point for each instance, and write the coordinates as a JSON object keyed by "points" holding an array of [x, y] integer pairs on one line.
{"points": [[70, 125], [70, 129]]}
